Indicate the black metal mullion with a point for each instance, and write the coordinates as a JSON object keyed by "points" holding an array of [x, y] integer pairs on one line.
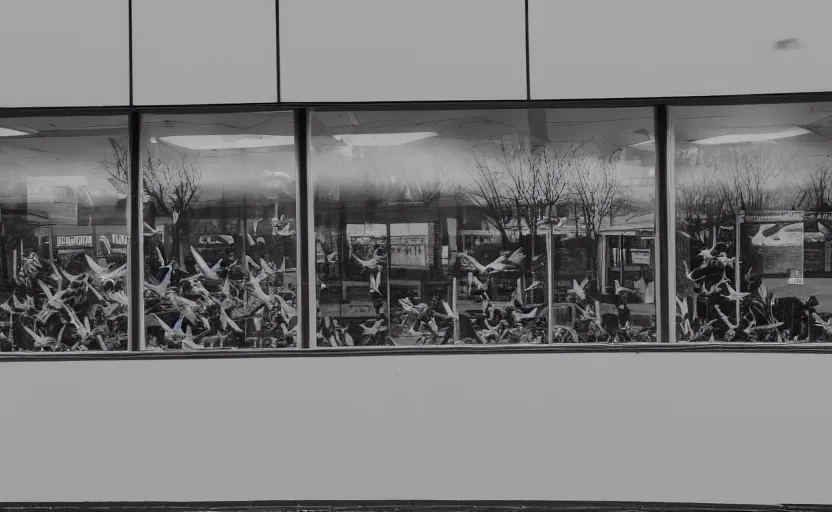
{"points": [[135, 228], [130, 45], [664, 231], [277, 35], [528, 58], [305, 270]]}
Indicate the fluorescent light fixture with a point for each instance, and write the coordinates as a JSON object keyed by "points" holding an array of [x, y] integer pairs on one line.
{"points": [[9, 132], [740, 138], [382, 139], [209, 142]]}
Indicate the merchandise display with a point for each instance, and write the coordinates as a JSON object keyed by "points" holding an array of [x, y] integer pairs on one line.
{"points": [[461, 233], [64, 308], [222, 303]]}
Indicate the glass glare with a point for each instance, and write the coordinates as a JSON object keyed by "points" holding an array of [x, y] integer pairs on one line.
{"points": [[753, 218], [64, 238], [220, 237], [434, 227], [484, 227]]}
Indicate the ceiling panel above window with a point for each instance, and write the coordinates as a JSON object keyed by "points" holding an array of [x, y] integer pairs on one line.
{"points": [[191, 52], [402, 50], [659, 48], [64, 54]]}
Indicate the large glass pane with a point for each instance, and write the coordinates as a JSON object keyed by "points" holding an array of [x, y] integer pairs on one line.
{"points": [[484, 227], [64, 238], [753, 218], [220, 247]]}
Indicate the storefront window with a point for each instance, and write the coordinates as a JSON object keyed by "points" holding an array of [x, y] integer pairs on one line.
{"points": [[64, 238], [484, 227], [220, 236], [753, 218]]}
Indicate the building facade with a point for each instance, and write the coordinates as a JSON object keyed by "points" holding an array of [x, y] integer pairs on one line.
{"points": [[415, 253]]}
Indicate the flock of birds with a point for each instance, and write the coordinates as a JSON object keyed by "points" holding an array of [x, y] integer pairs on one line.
{"points": [[727, 314], [251, 304], [227, 304], [83, 304], [52, 309], [514, 321]]}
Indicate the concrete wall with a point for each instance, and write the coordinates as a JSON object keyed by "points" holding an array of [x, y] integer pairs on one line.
{"points": [[727, 428], [59, 53], [688, 427]]}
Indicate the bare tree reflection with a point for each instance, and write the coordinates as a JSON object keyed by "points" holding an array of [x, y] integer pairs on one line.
{"points": [[172, 187], [521, 183]]}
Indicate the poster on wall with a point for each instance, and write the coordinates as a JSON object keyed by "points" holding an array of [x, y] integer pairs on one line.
{"points": [[73, 243], [113, 243], [773, 242], [410, 245], [640, 256]]}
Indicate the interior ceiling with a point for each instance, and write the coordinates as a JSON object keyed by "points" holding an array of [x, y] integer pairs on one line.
{"points": [[79, 145], [694, 123]]}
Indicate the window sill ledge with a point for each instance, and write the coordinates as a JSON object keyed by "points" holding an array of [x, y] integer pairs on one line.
{"points": [[798, 348]]}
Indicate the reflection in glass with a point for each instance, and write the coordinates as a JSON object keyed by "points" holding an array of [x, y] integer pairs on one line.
{"points": [[64, 238], [484, 227], [220, 238], [753, 203]]}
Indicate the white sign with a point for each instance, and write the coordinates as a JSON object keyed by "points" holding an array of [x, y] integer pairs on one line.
{"points": [[640, 256], [215, 239], [348, 310], [772, 216], [795, 276], [74, 241]]}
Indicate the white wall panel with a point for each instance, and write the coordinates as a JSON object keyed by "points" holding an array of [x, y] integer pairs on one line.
{"points": [[62, 53], [641, 48], [683, 427], [402, 50], [204, 51]]}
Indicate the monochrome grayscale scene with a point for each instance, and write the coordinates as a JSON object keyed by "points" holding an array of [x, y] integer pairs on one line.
{"points": [[415, 256]]}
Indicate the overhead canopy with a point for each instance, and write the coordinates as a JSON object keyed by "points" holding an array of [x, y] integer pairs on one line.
{"points": [[632, 226]]}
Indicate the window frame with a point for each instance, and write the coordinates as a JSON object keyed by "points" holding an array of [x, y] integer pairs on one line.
{"points": [[664, 208]]}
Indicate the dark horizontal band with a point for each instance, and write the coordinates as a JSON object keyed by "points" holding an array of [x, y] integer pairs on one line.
{"points": [[755, 99], [757, 347], [385, 506]]}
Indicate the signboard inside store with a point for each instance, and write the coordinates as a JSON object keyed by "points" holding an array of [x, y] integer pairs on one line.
{"points": [[85, 241], [640, 256], [112, 243]]}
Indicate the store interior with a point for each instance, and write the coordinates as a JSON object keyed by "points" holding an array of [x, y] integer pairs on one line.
{"points": [[483, 227], [441, 227], [752, 234]]}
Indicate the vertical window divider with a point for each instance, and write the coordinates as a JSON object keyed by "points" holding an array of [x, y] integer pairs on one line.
{"points": [[665, 226], [135, 229], [305, 233]]}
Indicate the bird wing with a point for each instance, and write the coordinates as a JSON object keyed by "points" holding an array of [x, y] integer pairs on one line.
{"points": [[95, 267], [206, 270], [683, 307], [163, 324], [448, 309]]}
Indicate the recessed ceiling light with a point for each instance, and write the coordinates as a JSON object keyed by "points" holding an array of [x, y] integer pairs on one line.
{"points": [[209, 142], [382, 139], [8, 132], [740, 138]]}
